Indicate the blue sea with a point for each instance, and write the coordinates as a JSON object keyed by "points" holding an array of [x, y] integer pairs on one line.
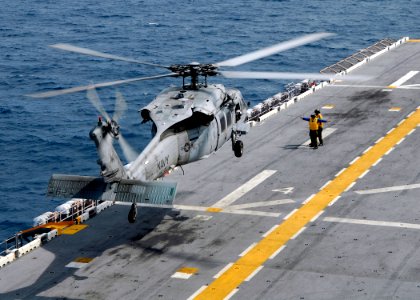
{"points": [[42, 137]]}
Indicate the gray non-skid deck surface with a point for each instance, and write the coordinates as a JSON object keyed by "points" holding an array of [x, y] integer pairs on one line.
{"points": [[329, 260]]}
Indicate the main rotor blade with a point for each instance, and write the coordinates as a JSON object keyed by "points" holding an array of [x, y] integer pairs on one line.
{"points": [[120, 106], [72, 48], [93, 97], [288, 75], [129, 153], [98, 85], [283, 46]]}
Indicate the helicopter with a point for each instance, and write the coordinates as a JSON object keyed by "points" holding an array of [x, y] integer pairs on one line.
{"points": [[189, 123]]}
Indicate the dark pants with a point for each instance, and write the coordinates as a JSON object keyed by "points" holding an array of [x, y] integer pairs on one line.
{"points": [[320, 136], [313, 135]]}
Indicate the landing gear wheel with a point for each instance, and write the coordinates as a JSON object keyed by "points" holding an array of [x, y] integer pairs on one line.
{"points": [[238, 148], [132, 214]]}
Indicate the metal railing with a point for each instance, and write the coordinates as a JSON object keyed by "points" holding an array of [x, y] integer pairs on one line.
{"points": [[354, 59], [23, 237], [291, 90]]}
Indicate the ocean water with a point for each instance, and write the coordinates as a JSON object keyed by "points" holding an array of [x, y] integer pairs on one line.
{"points": [[41, 137]]}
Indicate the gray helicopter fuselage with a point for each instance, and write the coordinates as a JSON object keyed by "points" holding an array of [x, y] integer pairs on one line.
{"points": [[188, 125]]}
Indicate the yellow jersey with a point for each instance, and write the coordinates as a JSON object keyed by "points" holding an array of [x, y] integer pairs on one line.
{"points": [[313, 124], [320, 124]]}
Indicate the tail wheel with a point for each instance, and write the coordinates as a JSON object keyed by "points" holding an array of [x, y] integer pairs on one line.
{"points": [[238, 148]]}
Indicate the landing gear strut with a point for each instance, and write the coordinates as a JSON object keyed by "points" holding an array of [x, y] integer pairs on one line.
{"points": [[132, 214]]}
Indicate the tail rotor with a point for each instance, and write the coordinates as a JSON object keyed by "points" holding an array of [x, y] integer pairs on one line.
{"points": [[93, 97], [120, 107]]}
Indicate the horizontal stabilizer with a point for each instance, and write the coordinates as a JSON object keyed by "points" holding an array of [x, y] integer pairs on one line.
{"points": [[125, 190], [155, 192]]}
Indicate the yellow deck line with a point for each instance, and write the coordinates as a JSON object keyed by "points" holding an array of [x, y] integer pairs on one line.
{"points": [[84, 260], [188, 270], [73, 229], [414, 41], [246, 265]]}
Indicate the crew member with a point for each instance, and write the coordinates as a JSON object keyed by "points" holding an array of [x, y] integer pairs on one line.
{"points": [[320, 126], [313, 130]]}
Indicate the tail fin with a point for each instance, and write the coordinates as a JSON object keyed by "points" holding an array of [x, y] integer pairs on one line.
{"points": [[125, 190], [111, 166]]}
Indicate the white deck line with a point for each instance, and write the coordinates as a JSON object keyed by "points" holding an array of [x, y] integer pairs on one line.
{"points": [[364, 174], [317, 216], [247, 249], [277, 252], [400, 141], [354, 160], [367, 149], [251, 213], [261, 204], [227, 210], [327, 183], [359, 86], [380, 139], [225, 268], [298, 233], [197, 292], [339, 173], [76, 265], [181, 275], [350, 186], [253, 273], [289, 214], [377, 162], [389, 189], [371, 222], [243, 189], [335, 200], [309, 199], [231, 294], [270, 230], [403, 79], [390, 150]]}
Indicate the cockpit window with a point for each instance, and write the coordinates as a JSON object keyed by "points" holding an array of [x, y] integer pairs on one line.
{"points": [[196, 120]]}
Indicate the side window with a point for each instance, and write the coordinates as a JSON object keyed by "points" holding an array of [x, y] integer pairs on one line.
{"points": [[228, 118], [222, 122]]}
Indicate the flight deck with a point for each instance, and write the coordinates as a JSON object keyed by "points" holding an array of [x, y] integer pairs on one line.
{"points": [[284, 221]]}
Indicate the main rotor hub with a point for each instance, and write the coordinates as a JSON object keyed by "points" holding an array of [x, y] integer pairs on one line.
{"points": [[194, 70]]}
